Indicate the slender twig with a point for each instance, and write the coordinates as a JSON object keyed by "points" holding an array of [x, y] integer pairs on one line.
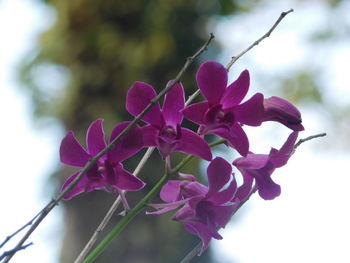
{"points": [[197, 248], [13, 251], [257, 42], [308, 139], [109, 147], [30, 222]]}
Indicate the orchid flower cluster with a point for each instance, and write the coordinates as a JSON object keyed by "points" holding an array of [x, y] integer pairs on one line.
{"points": [[202, 209]]}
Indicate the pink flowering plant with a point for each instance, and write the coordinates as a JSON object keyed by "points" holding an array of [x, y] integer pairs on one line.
{"points": [[202, 209]]}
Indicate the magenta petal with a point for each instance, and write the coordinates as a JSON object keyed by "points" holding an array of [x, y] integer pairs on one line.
{"points": [[245, 189], [149, 135], [170, 192], [281, 157], [223, 214], [202, 231], [188, 177], [251, 112], [85, 184], [174, 103], [267, 188], [128, 145], [236, 92], [235, 137], [127, 181], [288, 146], [187, 211], [225, 195], [195, 112], [138, 98], [77, 189], [190, 189], [219, 173], [251, 161], [212, 81], [95, 139], [165, 209], [192, 143], [71, 151]]}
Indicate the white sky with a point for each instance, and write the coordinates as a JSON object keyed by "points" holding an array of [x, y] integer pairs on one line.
{"points": [[308, 223], [27, 155]]}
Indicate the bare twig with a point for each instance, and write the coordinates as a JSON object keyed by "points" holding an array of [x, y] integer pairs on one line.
{"points": [[30, 222], [13, 251], [308, 139], [235, 58], [197, 248], [109, 147], [257, 42]]}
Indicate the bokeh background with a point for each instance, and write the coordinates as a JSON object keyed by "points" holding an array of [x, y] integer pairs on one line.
{"points": [[65, 63]]}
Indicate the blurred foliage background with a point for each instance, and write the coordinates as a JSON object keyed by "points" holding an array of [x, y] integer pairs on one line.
{"points": [[86, 62]]}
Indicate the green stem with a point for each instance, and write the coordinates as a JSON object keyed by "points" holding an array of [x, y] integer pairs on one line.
{"points": [[138, 208]]}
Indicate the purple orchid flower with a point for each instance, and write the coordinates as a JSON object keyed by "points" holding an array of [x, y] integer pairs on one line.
{"points": [[107, 173], [281, 110], [222, 114], [261, 166], [204, 209], [164, 130]]}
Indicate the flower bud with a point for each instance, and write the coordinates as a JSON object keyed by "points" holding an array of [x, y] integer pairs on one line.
{"points": [[280, 110]]}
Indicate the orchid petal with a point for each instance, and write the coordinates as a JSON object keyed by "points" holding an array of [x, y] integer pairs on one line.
{"points": [[288, 146], [77, 189], [212, 80], [195, 112], [149, 135], [95, 139], [202, 231], [192, 143], [85, 184], [225, 195], [219, 173], [223, 214], [245, 189], [251, 112], [191, 189], [174, 102], [267, 188], [138, 98], [236, 92], [127, 181], [236, 138], [72, 153], [128, 145], [163, 210], [251, 161], [170, 192], [188, 210], [189, 177], [281, 157]]}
